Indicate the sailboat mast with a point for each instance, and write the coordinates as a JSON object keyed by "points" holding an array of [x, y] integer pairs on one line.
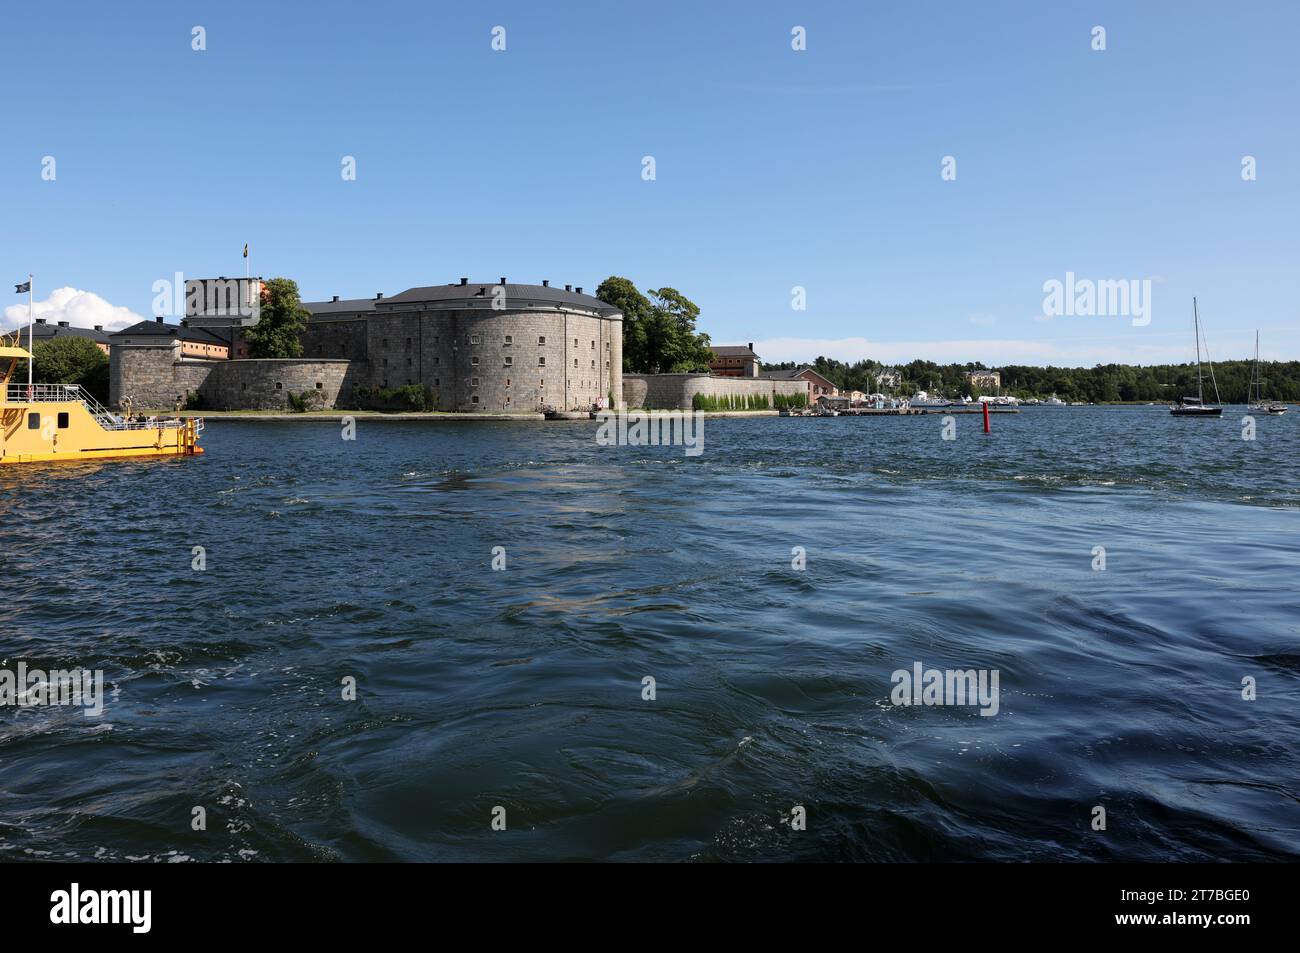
{"points": [[1196, 329], [1259, 385]]}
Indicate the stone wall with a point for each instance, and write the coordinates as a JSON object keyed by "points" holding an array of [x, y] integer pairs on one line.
{"points": [[156, 378], [266, 384], [677, 391], [339, 339]]}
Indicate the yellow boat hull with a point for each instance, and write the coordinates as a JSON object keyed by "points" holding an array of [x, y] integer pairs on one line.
{"points": [[41, 432]]}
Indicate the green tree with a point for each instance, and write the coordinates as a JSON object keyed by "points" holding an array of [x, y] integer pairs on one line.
{"points": [[659, 333], [69, 360], [278, 331], [622, 294], [675, 346]]}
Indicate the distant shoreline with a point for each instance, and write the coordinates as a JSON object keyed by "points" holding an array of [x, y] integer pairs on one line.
{"points": [[336, 415]]}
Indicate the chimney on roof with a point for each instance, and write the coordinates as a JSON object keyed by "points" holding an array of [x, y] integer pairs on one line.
{"points": [[546, 282], [503, 281], [568, 287], [464, 281], [336, 297], [378, 296], [63, 324], [40, 320], [159, 319], [578, 289], [99, 327], [751, 345]]}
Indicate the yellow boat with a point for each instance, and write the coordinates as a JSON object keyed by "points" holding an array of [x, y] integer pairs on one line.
{"points": [[40, 423]]}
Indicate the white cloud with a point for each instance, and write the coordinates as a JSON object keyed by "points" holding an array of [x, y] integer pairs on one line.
{"points": [[81, 309]]}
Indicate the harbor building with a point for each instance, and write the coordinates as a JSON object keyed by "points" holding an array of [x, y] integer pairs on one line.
{"points": [[199, 343], [734, 360], [984, 379], [42, 330], [817, 384]]}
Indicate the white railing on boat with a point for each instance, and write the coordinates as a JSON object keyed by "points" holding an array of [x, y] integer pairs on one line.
{"points": [[47, 393], [74, 394]]}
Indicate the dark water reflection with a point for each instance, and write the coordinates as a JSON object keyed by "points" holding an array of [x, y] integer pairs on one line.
{"points": [[522, 688]]}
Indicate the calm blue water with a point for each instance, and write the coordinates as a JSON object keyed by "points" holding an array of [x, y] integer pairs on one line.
{"points": [[522, 688]]}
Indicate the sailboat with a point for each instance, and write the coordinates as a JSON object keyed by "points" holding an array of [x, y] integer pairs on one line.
{"points": [[1255, 396], [1196, 406]]}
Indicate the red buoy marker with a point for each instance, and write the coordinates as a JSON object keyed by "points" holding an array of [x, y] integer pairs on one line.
{"points": [[986, 416]]}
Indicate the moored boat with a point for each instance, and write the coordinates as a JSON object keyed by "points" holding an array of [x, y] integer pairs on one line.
{"points": [[1196, 406], [1255, 393], [42, 423]]}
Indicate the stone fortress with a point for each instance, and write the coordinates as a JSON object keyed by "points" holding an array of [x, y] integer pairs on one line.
{"points": [[496, 347], [480, 347], [467, 346]]}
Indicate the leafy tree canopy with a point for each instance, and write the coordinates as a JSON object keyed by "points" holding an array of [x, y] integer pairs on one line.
{"points": [[68, 360], [659, 333], [283, 318]]}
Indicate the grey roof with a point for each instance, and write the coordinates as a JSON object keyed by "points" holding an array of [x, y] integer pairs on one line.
{"points": [[159, 329], [43, 332], [339, 307], [792, 373], [732, 350], [479, 290]]}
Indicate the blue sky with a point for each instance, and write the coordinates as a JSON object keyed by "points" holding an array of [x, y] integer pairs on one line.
{"points": [[775, 168]]}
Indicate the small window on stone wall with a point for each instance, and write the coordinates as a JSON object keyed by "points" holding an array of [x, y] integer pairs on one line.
{"points": [[279, 386], [243, 387], [474, 361], [510, 339], [509, 360], [541, 362], [473, 382], [318, 386], [473, 339], [474, 399], [541, 339]]}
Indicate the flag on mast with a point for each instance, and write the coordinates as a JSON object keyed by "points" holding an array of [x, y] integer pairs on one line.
{"points": [[22, 289], [245, 249]]}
